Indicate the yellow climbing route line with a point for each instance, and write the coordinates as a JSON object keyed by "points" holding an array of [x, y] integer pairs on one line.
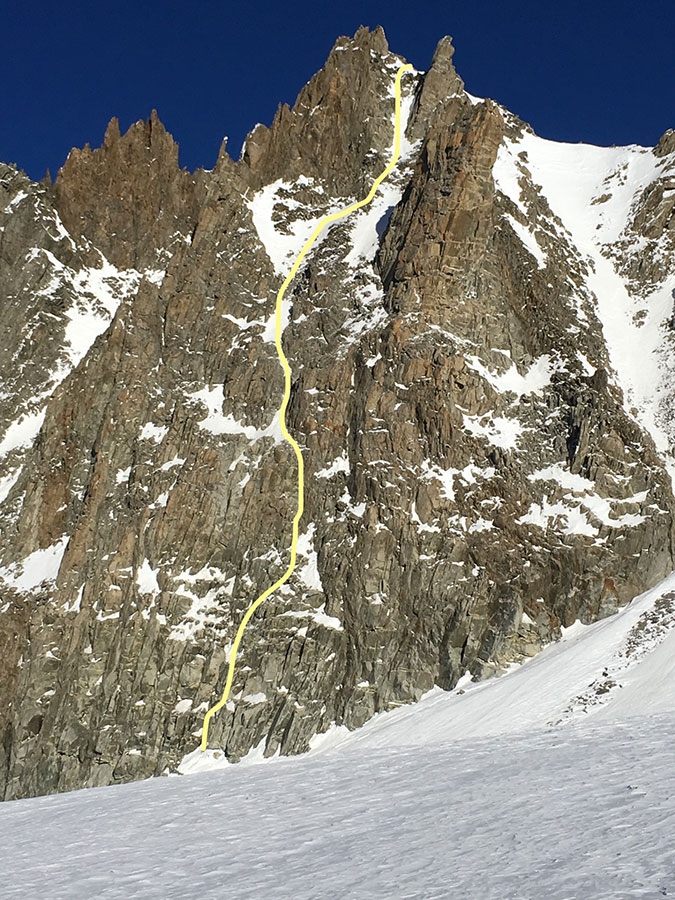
{"points": [[326, 220]]}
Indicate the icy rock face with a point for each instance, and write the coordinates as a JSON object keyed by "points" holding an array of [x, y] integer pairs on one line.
{"points": [[475, 477]]}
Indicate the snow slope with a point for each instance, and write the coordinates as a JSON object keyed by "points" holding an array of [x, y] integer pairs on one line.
{"points": [[582, 814], [532, 785], [611, 671]]}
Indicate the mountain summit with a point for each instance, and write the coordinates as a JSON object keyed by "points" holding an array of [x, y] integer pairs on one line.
{"points": [[483, 392]]}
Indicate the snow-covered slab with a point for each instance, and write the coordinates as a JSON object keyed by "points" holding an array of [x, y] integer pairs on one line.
{"points": [[7, 482], [22, 432], [217, 423], [499, 431], [582, 491], [339, 464], [152, 432], [37, 568], [535, 379]]}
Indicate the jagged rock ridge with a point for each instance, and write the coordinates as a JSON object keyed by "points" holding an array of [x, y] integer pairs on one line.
{"points": [[480, 468]]}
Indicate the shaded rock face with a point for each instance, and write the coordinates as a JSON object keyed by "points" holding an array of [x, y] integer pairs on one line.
{"points": [[475, 478]]}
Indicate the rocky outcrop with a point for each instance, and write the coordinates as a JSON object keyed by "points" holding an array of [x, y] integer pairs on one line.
{"points": [[339, 131], [129, 198], [474, 480], [440, 86]]}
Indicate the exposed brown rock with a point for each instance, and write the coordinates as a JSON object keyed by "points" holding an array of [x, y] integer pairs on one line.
{"points": [[666, 144], [439, 87], [130, 198], [339, 129], [420, 559]]}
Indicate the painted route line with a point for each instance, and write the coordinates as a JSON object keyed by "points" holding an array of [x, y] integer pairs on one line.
{"points": [[326, 220]]}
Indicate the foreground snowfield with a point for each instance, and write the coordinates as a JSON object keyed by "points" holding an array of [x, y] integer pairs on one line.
{"points": [[562, 814], [549, 782]]}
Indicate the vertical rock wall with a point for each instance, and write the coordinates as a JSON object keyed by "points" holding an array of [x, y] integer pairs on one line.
{"points": [[473, 479]]}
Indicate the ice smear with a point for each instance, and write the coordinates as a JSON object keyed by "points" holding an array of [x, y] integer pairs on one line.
{"points": [[217, 423]]}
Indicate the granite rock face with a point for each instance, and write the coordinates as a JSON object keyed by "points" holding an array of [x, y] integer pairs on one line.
{"points": [[480, 468], [129, 198]]}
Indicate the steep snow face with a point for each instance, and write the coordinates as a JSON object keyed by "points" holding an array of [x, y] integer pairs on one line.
{"points": [[596, 192]]}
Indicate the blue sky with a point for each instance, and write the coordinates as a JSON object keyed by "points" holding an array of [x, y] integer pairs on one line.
{"points": [[597, 71]]}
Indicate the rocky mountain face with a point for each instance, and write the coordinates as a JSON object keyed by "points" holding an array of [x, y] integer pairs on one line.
{"points": [[482, 389]]}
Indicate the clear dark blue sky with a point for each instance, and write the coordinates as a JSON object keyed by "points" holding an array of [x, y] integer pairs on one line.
{"points": [[596, 71]]}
